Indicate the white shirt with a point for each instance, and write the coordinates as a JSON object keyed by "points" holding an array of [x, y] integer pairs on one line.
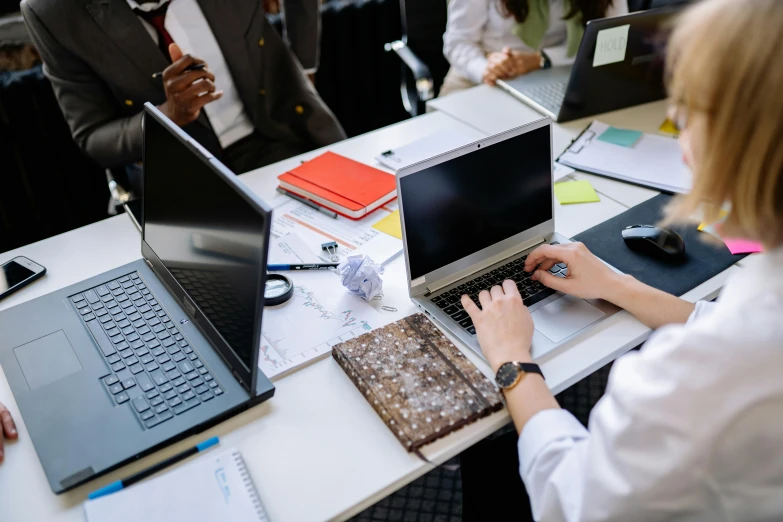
{"points": [[189, 29], [690, 428], [476, 28]]}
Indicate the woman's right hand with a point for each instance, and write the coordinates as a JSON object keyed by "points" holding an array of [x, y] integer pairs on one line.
{"points": [[588, 277]]}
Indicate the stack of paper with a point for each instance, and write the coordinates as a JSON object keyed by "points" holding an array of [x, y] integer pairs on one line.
{"points": [[632, 156]]}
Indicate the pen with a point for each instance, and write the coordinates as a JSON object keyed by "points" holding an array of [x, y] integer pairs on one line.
{"points": [[124, 483], [195, 67], [309, 203], [313, 266]]}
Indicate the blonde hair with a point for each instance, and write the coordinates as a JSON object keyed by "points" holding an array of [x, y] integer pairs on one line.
{"points": [[724, 62]]}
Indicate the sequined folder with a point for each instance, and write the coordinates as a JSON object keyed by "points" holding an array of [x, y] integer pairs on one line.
{"points": [[419, 383]]}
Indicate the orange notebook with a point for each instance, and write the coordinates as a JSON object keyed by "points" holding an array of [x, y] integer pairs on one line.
{"points": [[345, 186]]}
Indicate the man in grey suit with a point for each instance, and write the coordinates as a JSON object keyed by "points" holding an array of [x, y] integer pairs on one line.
{"points": [[248, 100]]}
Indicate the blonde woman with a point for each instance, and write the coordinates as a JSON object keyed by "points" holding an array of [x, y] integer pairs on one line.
{"points": [[691, 426]]}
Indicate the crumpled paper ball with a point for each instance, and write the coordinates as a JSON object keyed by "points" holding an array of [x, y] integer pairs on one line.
{"points": [[362, 277]]}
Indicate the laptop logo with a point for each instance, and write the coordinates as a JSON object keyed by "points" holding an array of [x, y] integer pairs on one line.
{"points": [[183, 321]]}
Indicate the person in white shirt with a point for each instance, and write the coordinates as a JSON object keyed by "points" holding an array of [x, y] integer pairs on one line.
{"points": [[487, 40], [690, 426]]}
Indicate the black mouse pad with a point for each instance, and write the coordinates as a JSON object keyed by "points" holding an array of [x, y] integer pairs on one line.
{"points": [[703, 260]]}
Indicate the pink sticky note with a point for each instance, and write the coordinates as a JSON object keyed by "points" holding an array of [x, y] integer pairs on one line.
{"points": [[742, 246]]}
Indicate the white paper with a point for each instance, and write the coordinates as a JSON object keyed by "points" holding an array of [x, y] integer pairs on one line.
{"points": [[610, 45], [353, 237], [213, 487], [320, 314], [427, 147], [562, 171], [290, 249], [655, 161]]}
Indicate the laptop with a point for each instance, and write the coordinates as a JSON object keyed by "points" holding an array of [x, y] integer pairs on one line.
{"points": [[620, 63], [469, 219], [122, 364]]}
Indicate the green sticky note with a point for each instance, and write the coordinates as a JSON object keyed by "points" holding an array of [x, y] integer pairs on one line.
{"points": [[621, 137], [569, 192]]}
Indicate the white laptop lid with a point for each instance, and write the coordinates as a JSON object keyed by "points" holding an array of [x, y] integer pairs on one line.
{"points": [[476, 205]]}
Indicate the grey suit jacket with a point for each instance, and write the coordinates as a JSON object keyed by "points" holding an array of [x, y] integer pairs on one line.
{"points": [[100, 60]]}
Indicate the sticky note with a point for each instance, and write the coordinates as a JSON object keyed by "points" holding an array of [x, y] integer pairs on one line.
{"points": [[610, 45], [569, 192], [390, 225], [621, 137], [743, 246], [668, 127], [711, 227]]}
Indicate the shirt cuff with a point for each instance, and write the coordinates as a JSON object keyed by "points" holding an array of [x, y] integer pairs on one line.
{"points": [[544, 428], [702, 308], [476, 69], [311, 71]]}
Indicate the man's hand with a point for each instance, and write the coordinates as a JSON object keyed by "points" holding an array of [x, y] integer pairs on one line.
{"points": [[7, 429], [503, 324], [588, 277], [186, 91]]}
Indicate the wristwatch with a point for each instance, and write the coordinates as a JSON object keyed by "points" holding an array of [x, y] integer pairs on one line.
{"points": [[545, 62], [510, 373]]}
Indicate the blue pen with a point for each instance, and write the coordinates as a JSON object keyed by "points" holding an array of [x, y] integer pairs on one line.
{"points": [[141, 475], [313, 266]]}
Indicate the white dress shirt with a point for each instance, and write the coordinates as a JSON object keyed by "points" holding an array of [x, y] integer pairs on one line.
{"points": [[189, 29], [690, 427], [476, 28]]}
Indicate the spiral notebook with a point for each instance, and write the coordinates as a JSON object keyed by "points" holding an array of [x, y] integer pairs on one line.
{"points": [[216, 487]]}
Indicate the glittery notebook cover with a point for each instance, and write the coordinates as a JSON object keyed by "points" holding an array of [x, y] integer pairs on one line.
{"points": [[419, 383]]}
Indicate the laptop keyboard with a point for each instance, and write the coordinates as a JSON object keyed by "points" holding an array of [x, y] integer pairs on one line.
{"points": [[532, 291], [154, 368], [550, 95]]}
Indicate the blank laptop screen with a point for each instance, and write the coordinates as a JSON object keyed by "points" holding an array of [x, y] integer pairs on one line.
{"points": [[469, 203]]}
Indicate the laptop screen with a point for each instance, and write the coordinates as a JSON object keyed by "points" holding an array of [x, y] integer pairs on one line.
{"points": [[207, 234], [471, 202]]}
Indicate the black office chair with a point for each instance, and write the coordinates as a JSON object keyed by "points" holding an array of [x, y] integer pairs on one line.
{"points": [[421, 51]]}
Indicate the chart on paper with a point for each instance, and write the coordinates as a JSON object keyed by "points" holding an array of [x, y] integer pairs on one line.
{"points": [[320, 314], [352, 237]]}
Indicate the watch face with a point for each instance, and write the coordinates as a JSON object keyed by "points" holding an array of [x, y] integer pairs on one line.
{"points": [[507, 375]]}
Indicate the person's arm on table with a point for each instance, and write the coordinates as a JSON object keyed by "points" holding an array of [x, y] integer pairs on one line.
{"points": [[589, 278], [7, 429]]}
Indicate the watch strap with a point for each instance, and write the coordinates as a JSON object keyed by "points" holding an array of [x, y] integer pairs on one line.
{"points": [[531, 368]]}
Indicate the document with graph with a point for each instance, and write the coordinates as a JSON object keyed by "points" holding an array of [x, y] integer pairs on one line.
{"points": [[320, 314]]}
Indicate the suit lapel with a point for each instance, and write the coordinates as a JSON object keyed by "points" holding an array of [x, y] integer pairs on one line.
{"points": [[121, 25], [229, 21]]}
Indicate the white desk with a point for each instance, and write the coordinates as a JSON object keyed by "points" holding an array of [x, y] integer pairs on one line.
{"points": [[316, 451]]}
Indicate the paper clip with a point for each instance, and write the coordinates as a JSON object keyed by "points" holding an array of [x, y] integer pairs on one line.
{"points": [[331, 249], [389, 308]]}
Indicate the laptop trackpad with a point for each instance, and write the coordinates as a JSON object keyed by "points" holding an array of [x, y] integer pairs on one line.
{"points": [[566, 316], [47, 360]]}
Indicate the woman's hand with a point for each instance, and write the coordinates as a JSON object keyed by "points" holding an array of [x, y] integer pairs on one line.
{"points": [[588, 277], [7, 427], [500, 65], [503, 324]]}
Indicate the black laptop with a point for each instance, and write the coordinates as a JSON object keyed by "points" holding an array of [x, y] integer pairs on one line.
{"points": [[620, 63], [126, 362]]}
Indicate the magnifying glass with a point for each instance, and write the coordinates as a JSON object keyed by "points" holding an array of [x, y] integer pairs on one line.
{"points": [[278, 289]]}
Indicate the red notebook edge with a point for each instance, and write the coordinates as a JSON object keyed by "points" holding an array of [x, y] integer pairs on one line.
{"points": [[339, 210]]}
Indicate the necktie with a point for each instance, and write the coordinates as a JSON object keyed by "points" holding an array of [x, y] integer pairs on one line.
{"points": [[157, 19]]}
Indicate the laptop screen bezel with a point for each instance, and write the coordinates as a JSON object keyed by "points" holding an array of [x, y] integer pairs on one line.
{"points": [[248, 377], [469, 264]]}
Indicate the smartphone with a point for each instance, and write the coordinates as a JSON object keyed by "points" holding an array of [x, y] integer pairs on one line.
{"points": [[17, 273]]}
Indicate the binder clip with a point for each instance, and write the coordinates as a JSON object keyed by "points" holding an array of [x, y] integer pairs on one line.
{"points": [[331, 249]]}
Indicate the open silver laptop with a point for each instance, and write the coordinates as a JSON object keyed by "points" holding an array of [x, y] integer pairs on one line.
{"points": [[619, 64], [470, 217]]}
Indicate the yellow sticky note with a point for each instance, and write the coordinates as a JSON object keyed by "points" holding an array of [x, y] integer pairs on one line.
{"points": [[668, 127], [568, 192], [390, 225], [708, 227]]}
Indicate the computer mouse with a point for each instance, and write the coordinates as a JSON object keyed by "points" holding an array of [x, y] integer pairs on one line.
{"points": [[650, 240]]}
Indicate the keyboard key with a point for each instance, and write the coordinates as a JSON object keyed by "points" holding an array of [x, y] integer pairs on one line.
{"points": [[179, 357], [124, 279], [131, 360], [105, 318], [201, 388], [185, 367], [192, 375], [144, 382], [121, 398], [154, 321], [173, 348], [466, 323], [117, 366], [198, 364], [156, 307], [451, 310], [155, 401], [213, 384], [167, 365], [86, 310], [168, 342], [158, 377], [208, 377], [147, 415], [128, 383], [113, 285], [472, 330], [91, 296], [113, 358], [161, 313], [145, 308], [134, 295], [128, 330], [126, 353], [77, 298], [186, 406], [89, 317], [157, 419], [176, 401], [116, 387], [136, 368], [217, 391], [189, 394], [160, 408], [152, 394], [149, 315], [123, 323], [165, 387], [151, 366], [187, 349], [170, 394], [117, 339], [146, 359], [105, 346], [118, 291], [206, 396], [140, 403], [123, 299], [135, 277], [182, 388], [127, 284], [135, 316], [158, 352], [154, 343], [126, 305], [460, 316], [148, 337]]}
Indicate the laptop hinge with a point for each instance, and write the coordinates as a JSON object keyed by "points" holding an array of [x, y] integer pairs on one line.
{"points": [[478, 267]]}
